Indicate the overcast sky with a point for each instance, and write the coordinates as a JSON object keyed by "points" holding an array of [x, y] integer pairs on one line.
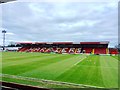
{"points": [[67, 21]]}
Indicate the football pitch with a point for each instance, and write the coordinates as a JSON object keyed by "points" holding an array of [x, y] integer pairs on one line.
{"points": [[73, 70]]}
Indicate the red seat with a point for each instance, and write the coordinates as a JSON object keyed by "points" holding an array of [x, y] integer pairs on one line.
{"points": [[100, 51], [88, 50]]}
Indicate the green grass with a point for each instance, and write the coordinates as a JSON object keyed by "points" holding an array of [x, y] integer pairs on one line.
{"points": [[94, 70], [41, 84], [116, 57]]}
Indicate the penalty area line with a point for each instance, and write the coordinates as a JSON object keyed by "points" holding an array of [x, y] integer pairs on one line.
{"points": [[79, 61]]}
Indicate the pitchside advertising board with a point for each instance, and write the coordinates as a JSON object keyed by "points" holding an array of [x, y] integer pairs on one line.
{"points": [[12, 48], [1, 49]]}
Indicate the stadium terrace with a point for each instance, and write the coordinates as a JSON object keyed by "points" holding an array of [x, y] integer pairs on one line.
{"points": [[67, 47]]}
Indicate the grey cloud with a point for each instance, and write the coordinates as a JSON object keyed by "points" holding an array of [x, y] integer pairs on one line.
{"points": [[61, 22]]}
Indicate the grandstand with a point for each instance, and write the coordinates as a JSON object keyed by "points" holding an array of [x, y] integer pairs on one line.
{"points": [[67, 47], [82, 65]]}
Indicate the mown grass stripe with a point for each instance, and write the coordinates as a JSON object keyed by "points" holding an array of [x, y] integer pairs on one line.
{"points": [[27, 60], [50, 70], [96, 70], [109, 76], [33, 65]]}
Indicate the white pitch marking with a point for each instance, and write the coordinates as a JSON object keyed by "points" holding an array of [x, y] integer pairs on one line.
{"points": [[79, 61], [44, 80]]}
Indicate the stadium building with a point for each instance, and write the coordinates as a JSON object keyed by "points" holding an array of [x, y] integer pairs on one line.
{"points": [[67, 47]]}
